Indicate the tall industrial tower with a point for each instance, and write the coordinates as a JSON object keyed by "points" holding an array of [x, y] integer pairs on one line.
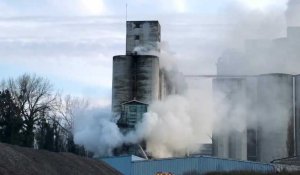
{"points": [[136, 78]]}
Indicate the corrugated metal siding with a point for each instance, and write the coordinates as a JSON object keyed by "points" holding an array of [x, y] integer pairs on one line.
{"points": [[122, 164], [132, 165], [184, 166], [136, 158]]}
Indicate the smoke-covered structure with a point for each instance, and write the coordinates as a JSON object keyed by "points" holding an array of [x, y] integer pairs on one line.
{"points": [[258, 115], [257, 102], [135, 76], [138, 79]]}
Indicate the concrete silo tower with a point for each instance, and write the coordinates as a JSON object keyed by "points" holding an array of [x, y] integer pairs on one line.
{"points": [[136, 75], [136, 79], [142, 36]]}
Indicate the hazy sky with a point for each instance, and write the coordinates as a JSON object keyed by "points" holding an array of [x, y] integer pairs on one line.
{"points": [[72, 42]]}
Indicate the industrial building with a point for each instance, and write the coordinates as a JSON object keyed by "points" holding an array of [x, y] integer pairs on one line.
{"points": [[138, 79], [258, 122], [133, 165], [259, 116], [261, 56]]}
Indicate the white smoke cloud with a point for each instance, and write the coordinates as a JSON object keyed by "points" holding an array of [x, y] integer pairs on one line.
{"points": [[94, 129], [180, 123], [263, 5], [292, 13], [178, 126]]}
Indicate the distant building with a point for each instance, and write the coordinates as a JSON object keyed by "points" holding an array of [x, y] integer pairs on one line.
{"points": [[260, 116], [206, 149]]}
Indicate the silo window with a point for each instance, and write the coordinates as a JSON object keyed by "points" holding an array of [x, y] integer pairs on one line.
{"points": [[132, 109], [137, 37], [137, 25]]}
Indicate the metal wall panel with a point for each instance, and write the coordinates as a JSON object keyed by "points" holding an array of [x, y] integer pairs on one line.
{"points": [[122, 164], [186, 166]]}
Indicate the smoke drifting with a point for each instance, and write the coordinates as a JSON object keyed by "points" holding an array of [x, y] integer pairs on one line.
{"points": [[177, 126], [180, 123], [250, 103], [95, 129], [292, 13]]}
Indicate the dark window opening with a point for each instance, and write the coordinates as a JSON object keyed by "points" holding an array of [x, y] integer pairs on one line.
{"points": [[132, 108], [137, 25], [137, 37], [251, 145]]}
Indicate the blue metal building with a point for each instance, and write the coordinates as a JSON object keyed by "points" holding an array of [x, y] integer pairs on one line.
{"points": [[132, 165]]}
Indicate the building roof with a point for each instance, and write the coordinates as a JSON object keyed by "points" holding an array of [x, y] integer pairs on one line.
{"points": [[134, 101], [141, 21]]}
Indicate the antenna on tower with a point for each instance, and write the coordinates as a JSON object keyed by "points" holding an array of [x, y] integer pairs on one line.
{"points": [[126, 11], [126, 26]]}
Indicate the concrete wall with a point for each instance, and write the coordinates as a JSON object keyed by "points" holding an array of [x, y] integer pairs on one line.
{"points": [[144, 34], [163, 84], [220, 143], [266, 104], [122, 89], [230, 131], [134, 76], [238, 145], [297, 113], [147, 78], [274, 110]]}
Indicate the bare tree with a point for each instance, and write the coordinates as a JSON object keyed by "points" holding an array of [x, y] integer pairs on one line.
{"points": [[34, 96], [68, 107], [67, 111]]}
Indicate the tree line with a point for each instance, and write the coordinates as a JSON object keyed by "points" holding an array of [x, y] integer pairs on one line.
{"points": [[32, 114]]}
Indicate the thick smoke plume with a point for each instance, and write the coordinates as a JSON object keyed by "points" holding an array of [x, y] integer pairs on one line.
{"points": [[180, 123], [173, 126], [176, 126], [95, 129], [292, 13]]}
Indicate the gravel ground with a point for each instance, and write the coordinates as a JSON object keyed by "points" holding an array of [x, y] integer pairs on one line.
{"points": [[15, 160]]}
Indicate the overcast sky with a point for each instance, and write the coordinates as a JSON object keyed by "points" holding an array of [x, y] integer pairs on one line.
{"points": [[72, 42]]}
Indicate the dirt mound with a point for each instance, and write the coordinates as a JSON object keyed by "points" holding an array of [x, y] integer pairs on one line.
{"points": [[15, 160]]}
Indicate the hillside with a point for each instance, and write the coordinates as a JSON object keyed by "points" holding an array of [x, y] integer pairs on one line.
{"points": [[15, 160]]}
